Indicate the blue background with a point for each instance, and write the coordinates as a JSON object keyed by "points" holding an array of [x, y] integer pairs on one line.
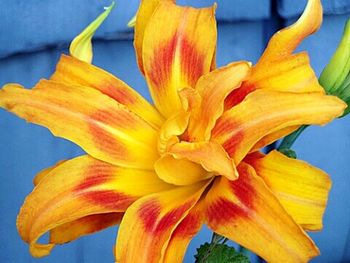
{"points": [[33, 34]]}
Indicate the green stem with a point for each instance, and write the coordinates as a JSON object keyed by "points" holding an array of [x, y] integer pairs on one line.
{"points": [[289, 140]]}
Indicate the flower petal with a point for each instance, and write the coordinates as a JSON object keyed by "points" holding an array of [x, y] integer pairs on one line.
{"points": [[86, 225], [277, 68], [143, 16], [285, 41], [301, 188], [78, 188], [73, 71], [178, 48], [274, 136], [211, 156], [213, 88], [179, 171], [184, 233], [289, 74], [104, 128], [248, 213], [264, 112], [45, 172], [148, 224]]}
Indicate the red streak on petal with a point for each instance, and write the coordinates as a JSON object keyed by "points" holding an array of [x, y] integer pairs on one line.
{"points": [[227, 127], [223, 210], [149, 214], [172, 217], [191, 61], [153, 222], [119, 93], [103, 139], [189, 226], [96, 176], [238, 95]]}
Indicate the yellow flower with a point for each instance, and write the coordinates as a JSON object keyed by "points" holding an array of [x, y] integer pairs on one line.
{"points": [[191, 159]]}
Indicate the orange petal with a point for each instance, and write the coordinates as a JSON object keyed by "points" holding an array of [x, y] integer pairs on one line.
{"points": [[45, 172], [301, 188], [285, 41], [73, 71], [83, 226], [211, 156], [143, 16], [148, 224], [277, 68], [184, 233], [272, 137], [78, 188], [246, 212], [178, 48], [213, 88], [264, 112], [104, 128], [289, 74]]}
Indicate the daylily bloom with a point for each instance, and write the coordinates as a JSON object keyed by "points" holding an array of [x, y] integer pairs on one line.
{"points": [[193, 158]]}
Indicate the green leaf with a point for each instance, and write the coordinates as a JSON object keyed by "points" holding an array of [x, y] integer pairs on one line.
{"points": [[219, 253]]}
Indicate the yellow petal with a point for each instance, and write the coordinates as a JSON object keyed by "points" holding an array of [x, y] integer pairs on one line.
{"points": [[264, 112], [148, 224], [301, 188], [178, 48], [246, 212], [179, 171], [213, 89], [81, 46], [143, 16], [104, 128], [79, 188], [70, 70]]}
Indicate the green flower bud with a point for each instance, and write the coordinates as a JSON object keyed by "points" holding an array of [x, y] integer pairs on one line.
{"points": [[335, 77]]}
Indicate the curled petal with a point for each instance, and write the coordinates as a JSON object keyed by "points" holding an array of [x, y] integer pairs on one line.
{"points": [[179, 171], [81, 46], [74, 72], [285, 41], [178, 48], [247, 212], [76, 189], [301, 188], [153, 219], [104, 128], [211, 156], [277, 68], [213, 88], [86, 225], [264, 112]]}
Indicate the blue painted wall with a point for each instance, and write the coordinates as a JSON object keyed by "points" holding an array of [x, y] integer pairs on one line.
{"points": [[34, 33]]}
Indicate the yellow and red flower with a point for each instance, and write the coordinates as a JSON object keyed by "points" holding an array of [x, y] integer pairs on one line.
{"points": [[193, 158]]}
